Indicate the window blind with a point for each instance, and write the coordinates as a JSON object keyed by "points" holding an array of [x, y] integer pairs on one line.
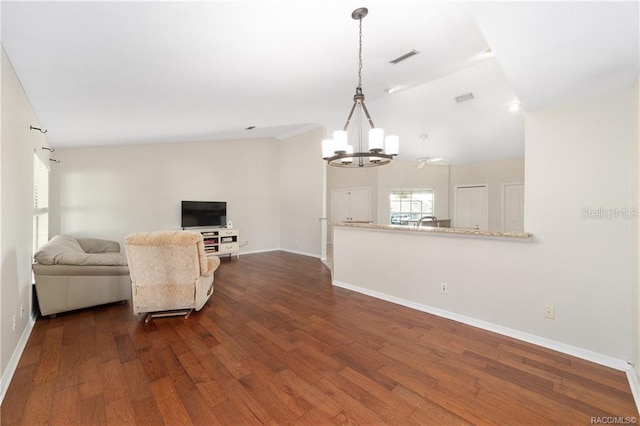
{"points": [[409, 205], [40, 203]]}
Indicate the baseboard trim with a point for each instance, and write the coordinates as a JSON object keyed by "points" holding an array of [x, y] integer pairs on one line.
{"points": [[8, 373], [258, 251], [317, 256], [302, 253], [505, 331], [634, 383]]}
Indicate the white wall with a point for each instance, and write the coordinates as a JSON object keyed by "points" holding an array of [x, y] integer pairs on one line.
{"points": [[492, 173], [3, 369], [577, 156], [109, 192], [635, 196], [17, 145], [301, 193]]}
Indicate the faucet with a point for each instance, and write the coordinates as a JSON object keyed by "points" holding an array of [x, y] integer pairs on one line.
{"points": [[427, 218]]}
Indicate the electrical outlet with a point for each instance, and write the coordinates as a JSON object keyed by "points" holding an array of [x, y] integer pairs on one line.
{"points": [[14, 323], [549, 312], [443, 288]]}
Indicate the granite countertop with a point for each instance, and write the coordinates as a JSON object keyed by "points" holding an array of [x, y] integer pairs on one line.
{"points": [[522, 236]]}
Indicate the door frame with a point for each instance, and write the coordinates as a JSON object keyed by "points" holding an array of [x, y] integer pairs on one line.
{"points": [[323, 217], [503, 200]]}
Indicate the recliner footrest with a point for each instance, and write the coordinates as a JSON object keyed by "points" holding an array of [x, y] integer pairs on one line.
{"points": [[177, 312]]}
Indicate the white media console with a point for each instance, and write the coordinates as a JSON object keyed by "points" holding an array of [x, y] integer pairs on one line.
{"points": [[221, 241]]}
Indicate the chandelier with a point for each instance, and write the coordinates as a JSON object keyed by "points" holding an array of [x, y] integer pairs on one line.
{"points": [[337, 151]]}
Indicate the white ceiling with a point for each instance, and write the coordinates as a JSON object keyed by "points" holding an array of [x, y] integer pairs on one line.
{"points": [[102, 73]]}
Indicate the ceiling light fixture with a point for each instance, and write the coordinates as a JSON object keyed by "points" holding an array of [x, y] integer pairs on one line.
{"points": [[337, 152]]}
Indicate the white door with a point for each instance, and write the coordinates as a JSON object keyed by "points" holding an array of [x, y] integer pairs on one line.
{"points": [[472, 207], [340, 206], [351, 205], [360, 204], [513, 207]]}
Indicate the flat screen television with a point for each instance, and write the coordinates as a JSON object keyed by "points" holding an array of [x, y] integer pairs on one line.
{"points": [[204, 213]]}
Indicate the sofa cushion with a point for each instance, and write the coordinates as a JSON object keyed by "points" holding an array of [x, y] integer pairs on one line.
{"points": [[96, 245], [55, 246], [66, 250], [86, 259]]}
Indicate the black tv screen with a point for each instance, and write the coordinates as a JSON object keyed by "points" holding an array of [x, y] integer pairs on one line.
{"points": [[204, 213]]}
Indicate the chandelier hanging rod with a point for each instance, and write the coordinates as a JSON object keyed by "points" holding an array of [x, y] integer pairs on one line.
{"points": [[381, 151], [358, 98]]}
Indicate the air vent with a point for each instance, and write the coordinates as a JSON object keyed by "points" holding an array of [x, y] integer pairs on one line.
{"points": [[404, 57], [465, 97]]}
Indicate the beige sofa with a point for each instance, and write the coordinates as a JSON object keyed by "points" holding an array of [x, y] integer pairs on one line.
{"points": [[74, 273]]}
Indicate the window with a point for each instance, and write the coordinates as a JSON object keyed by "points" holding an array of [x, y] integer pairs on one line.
{"points": [[40, 203], [407, 206]]}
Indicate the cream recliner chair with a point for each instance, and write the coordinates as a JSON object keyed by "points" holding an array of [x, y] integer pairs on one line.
{"points": [[170, 272]]}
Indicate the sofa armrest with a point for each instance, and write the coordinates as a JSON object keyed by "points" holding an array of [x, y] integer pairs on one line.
{"points": [[212, 265], [96, 245]]}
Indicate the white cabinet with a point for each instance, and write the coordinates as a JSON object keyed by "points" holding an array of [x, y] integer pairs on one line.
{"points": [[221, 241], [351, 205]]}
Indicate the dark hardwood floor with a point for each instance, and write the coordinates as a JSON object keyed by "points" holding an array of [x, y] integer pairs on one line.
{"points": [[277, 344]]}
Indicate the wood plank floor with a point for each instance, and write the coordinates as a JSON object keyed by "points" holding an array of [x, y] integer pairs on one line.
{"points": [[277, 344]]}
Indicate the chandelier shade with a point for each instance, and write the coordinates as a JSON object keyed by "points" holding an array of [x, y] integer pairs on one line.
{"points": [[380, 150]]}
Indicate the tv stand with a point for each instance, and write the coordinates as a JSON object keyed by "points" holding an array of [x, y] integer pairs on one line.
{"points": [[221, 241]]}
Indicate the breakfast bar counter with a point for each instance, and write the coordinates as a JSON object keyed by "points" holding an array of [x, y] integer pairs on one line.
{"points": [[428, 230]]}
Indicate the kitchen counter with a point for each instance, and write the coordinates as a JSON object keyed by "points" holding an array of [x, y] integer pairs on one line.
{"points": [[428, 230], [438, 223]]}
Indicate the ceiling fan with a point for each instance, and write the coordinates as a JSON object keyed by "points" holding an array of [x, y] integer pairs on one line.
{"points": [[425, 159], [428, 160]]}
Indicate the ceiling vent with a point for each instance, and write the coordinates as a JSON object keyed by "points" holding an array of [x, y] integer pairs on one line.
{"points": [[404, 57], [465, 97]]}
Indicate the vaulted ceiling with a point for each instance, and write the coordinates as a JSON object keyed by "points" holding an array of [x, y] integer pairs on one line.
{"points": [[102, 73]]}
